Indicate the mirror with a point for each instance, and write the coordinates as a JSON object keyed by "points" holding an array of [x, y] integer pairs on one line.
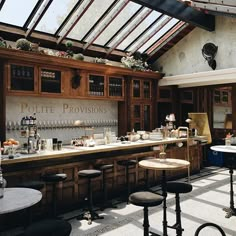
{"points": [[222, 108]]}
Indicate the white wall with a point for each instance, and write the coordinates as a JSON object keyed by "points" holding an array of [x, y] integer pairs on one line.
{"points": [[56, 117], [186, 56]]}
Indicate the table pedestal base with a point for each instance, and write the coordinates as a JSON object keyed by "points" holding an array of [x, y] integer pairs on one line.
{"points": [[229, 212]]}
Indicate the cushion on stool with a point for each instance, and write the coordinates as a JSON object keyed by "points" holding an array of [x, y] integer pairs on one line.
{"points": [[89, 173], [178, 187], [34, 184], [54, 177], [104, 166], [145, 198], [52, 227], [127, 162]]}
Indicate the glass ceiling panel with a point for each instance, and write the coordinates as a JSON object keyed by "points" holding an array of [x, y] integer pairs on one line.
{"points": [[91, 16], [55, 15], [16, 13], [142, 27], [158, 35], [117, 23]]}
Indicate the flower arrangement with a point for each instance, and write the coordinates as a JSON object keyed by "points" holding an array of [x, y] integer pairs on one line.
{"points": [[137, 62], [100, 60]]}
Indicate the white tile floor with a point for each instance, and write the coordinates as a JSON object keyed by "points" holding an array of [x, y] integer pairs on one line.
{"points": [[204, 204]]}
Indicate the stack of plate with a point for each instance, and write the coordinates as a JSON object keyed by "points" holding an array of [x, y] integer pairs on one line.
{"points": [[156, 136]]}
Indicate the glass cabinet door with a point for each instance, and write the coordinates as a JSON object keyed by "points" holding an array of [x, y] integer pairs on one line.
{"points": [[115, 86], [147, 117], [146, 89], [136, 86], [96, 85], [137, 111], [50, 81], [22, 78]]}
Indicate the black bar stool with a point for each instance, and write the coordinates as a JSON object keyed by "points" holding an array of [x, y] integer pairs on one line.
{"points": [[50, 227], [90, 213], [127, 164], [146, 199], [178, 187], [53, 179], [105, 203]]}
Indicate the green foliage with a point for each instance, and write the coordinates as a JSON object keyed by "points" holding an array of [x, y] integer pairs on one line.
{"points": [[3, 43], [23, 44], [78, 56]]}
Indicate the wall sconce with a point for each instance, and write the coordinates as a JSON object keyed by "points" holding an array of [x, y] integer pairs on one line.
{"points": [[75, 80], [209, 51]]}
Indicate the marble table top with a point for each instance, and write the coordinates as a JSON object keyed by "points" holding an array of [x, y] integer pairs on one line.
{"points": [[16, 199], [164, 164], [224, 148]]}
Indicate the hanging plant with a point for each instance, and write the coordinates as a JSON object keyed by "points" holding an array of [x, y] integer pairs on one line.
{"points": [[23, 44], [69, 50]]}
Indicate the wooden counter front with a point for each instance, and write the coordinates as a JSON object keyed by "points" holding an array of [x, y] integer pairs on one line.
{"points": [[72, 192]]}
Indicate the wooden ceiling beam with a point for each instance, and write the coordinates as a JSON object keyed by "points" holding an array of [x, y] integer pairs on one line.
{"points": [[1, 4], [165, 38], [106, 24], [149, 36], [128, 32], [41, 13], [68, 29], [182, 12]]}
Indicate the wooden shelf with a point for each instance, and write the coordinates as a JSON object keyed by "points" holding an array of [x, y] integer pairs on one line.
{"points": [[39, 58]]}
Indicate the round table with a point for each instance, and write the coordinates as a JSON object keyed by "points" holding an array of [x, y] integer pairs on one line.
{"points": [[163, 165], [16, 199], [230, 211]]}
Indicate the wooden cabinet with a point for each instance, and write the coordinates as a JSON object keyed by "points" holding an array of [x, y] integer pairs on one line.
{"points": [[116, 87], [29, 79], [104, 86], [165, 104], [222, 96], [50, 81], [96, 85], [164, 94], [141, 104], [141, 116], [141, 89], [21, 78]]}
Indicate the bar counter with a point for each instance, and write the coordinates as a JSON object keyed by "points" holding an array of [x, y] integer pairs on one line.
{"points": [[70, 160], [79, 151]]}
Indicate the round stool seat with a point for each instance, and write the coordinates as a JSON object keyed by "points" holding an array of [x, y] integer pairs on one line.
{"points": [[50, 227], [34, 184], [89, 173], [127, 162], [54, 177], [178, 187], [104, 166], [145, 199]]}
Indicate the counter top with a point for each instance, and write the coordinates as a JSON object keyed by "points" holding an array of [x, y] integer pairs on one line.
{"points": [[75, 151]]}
